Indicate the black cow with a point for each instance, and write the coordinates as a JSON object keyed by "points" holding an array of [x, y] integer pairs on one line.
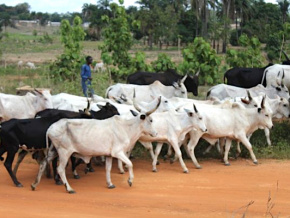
{"points": [[31, 133], [166, 78], [245, 77]]}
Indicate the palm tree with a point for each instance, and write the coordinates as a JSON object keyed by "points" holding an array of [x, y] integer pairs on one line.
{"points": [[284, 7]]}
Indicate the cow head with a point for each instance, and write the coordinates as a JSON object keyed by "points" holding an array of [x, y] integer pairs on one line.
{"points": [[180, 89], [144, 118], [265, 114], [283, 108], [191, 83], [197, 119], [43, 99], [250, 102]]}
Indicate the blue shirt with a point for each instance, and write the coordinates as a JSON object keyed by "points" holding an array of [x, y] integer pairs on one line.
{"points": [[85, 72]]}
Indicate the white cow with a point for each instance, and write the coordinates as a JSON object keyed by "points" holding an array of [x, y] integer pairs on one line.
{"points": [[30, 65], [23, 107], [99, 67], [172, 127], [124, 92], [20, 64], [111, 138], [233, 123], [222, 91]]}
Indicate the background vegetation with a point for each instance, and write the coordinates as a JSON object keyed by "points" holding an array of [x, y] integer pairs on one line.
{"points": [[189, 36]]}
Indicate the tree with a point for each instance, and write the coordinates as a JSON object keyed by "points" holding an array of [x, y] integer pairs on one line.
{"points": [[117, 37], [67, 65], [284, 7]]}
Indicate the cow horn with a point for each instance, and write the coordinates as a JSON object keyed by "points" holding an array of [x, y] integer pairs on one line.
{"points": [[134, 102], [194, 107], [286, 56], [36, 90], [197, 72], [263, 102], [154, 109], [249, 95], [183, 79], [88, 107]]}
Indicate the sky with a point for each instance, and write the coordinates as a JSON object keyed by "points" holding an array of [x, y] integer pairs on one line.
{"points": [[59, 6], [63, 6]]}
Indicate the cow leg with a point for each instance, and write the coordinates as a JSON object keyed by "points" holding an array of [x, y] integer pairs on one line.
{"points": [[50, 156], [148, 146], [208, 149], [122, 156], [56, 177], [191, 146], [63, 159], [109, 161], [20, 158], [267, 134], [120, 166], [74, 164], [169, 152], [238, 149], [155, 158], [8, 164], [248, 145], [226, 153], [178, 154]]}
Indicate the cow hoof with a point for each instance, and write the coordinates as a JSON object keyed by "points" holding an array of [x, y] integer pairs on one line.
{"points": [[198, 167], [130, 183], [154, 170], [32, 187], [91, 170], [255, 162], [227, 164], [19, 185], [77, 177], [87, 170], [171, 161], [122, 172], [185, 171], [111, 186], [157, 163], [71, 192], [58, 182], [164, 158]]}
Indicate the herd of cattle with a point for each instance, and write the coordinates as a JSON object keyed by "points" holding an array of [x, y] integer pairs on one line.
{"points": [[153, 108]]}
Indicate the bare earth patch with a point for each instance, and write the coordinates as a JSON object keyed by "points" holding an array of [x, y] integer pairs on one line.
{"points": [[214, 191]]}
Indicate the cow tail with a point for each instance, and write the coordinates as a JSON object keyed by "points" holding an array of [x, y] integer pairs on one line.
{"points": [[208, 93], [1, 158], [107, 92], [264, 75]]}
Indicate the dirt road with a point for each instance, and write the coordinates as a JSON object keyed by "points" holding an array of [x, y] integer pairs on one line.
{"points": [[214, 191]]}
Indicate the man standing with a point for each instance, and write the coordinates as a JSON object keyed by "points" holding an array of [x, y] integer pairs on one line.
{"points": [[87, 77]]}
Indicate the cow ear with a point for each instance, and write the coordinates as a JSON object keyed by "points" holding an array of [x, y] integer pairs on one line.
{"points": [[134, 113], [245, 101], [189, 113], [142, 116]]}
